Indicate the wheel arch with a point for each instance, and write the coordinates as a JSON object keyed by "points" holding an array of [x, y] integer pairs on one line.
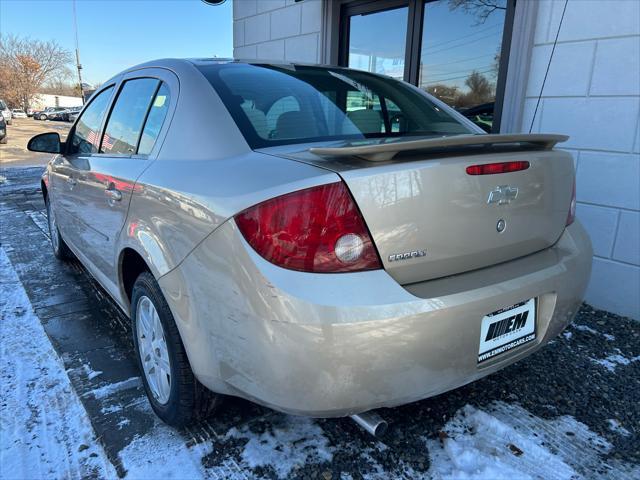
{"points": [[130, 265]]}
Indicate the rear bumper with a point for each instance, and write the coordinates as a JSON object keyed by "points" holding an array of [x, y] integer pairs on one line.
{"points": [[334, 345]]}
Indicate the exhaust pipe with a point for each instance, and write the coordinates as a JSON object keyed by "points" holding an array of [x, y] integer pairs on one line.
{"points": [[371, 422]]}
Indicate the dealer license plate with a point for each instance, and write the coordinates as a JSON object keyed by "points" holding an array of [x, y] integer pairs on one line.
{"points": [[507, 329]]}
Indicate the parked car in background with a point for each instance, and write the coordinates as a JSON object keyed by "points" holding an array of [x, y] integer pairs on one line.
{"points": [[277, 241], [6, 113], [67, 113], [3, 130], [30, 112], [74, 116], [50, 113], [18, 113], [481, 115]]}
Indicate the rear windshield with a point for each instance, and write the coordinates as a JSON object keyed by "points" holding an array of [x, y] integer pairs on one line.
{"points": [[277, 105]]}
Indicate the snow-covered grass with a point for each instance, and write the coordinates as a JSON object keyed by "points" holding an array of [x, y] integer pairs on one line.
{"points": [[45, 431]]}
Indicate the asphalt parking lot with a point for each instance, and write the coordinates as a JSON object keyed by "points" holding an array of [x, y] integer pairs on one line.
{"points": [[574, 403], [14, 153]]}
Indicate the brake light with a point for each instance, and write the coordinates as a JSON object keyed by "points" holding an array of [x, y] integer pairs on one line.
{"points": [[493, 168], [319, 229], [572, 206]]}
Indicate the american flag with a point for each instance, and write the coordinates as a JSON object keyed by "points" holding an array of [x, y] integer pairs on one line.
{"points": [[92, 138], [107, 142]]}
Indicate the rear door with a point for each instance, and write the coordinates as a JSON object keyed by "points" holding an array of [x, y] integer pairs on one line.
{"points": [[128, 145]]}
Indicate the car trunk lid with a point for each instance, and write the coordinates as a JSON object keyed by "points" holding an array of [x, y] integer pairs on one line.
{"points": [[429, 218]]}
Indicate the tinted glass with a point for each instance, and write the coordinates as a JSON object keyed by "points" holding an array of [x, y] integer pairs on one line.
{"points": [[86, 136], [377, 42], [278, 105], [461, 54], [128, 114], [155, 120]]}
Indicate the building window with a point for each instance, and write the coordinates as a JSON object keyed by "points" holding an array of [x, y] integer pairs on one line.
{"points": [[455, 49], [377, 41]]}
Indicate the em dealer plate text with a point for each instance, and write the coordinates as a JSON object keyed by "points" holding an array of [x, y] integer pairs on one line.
{"points": [[507, 329]]}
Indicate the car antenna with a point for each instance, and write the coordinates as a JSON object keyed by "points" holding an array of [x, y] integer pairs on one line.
{"points": [[553, 49]]}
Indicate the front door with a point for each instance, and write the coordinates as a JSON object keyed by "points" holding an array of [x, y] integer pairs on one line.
{"points": [[70, 168]]}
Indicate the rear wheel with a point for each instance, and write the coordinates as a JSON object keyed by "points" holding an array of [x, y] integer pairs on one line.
{"points": [[60, 249], [173, 391]]}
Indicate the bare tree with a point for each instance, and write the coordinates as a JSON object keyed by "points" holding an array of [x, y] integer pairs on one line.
{"points": [[61, 86], [482, 9], [27, 64], [480, 91]]}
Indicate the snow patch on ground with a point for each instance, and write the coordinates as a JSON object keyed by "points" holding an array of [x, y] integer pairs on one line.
{"points": [[506, 442], [91, 373], [585, 328], [45, 431], [613, 361], [111, 388], [616, 426], [162, 453], [284, 446]]}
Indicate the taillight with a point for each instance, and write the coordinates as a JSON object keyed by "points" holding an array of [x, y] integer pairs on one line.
{"points": [[572, 206], [493, 168], [319, 229]]}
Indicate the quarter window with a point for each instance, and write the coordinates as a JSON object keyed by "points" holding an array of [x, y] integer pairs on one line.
{"points": [[155, 119], [86, 136], [127, 117]]}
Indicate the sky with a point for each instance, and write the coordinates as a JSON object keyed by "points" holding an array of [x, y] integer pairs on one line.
{"points": [[116, 34]]}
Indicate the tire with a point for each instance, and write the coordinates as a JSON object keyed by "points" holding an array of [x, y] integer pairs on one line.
{"points": [[60, 249], [177, 398], [4, 140], [43, 117]]}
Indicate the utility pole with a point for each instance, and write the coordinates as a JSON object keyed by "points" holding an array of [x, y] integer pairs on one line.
{"points": [[78, 64]]}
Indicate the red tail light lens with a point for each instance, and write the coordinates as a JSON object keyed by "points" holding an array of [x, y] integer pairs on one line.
{"points": [[572, 206], [318, 229], [493, 168]]}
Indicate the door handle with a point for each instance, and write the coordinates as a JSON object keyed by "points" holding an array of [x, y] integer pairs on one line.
{"points": [[71, 181], [113, 194]]}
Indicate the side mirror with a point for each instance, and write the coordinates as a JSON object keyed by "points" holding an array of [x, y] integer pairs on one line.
{"points": [[46, 143]]}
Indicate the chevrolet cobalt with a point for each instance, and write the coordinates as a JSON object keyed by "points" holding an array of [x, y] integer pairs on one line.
{"points": [[319, 240]]}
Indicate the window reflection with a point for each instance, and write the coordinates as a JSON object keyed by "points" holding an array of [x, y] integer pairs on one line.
{"points": [[377, 42], [460, 54]]}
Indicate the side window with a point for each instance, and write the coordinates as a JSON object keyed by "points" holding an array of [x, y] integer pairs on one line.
{"points": [[127, 116], [86, 135], [155, 119]]}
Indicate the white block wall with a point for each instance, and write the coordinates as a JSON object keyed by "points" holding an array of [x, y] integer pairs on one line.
{"points": [[592, 93], [280, 30]]}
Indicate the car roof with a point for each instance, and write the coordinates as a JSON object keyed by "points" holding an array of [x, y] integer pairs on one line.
{"points": [[177, 64]]}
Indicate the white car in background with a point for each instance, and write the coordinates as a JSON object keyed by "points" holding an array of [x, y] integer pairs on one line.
{"points": [[18, 113]]}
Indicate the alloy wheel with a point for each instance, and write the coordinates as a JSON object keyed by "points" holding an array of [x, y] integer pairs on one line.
{"points": [[153, 351]]}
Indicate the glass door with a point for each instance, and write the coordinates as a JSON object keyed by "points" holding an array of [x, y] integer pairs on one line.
{"points": [[376, 41], [460, 55]]}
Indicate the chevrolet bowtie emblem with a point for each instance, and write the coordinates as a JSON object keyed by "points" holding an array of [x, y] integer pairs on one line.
{"points": [[502, 195]]}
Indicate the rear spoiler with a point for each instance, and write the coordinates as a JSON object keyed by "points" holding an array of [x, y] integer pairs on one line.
{"points": [[386, 151]]}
